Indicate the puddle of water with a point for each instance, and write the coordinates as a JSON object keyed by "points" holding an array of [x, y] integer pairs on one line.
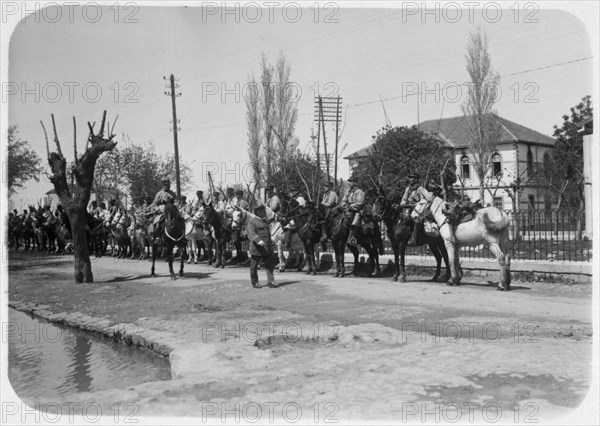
{"points": [[46, 360]]}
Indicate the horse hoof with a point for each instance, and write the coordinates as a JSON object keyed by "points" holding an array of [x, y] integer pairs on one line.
{"points": [[181, 274], [222, 266], [195, 262], [173, 277], [153, 275], [402, 279], [395, 278], [337, 274], [314, 273]]}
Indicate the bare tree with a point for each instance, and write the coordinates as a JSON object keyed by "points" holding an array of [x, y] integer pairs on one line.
{"points": [[286, 112], [267, 113], [253, 119], [75, 198], [480, 116]]}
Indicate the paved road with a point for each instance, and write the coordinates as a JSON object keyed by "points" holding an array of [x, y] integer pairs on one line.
{"points": [[325, 349]]}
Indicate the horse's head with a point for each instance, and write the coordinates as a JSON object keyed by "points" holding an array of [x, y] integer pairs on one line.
{"points": [[382, 208], [237, 220]]}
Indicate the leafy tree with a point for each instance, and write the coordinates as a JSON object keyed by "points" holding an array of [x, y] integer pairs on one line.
{"points": [[398, 151], [136, 171], [23, 162], [480, 116]]}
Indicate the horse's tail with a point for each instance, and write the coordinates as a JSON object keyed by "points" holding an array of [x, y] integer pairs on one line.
{"points": [[495, 226]]}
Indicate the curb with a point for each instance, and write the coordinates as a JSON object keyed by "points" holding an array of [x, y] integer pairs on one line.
{"points": [[128, 333]]}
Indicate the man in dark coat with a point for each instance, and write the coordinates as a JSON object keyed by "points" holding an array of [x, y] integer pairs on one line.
{"points": [[261, 246]]}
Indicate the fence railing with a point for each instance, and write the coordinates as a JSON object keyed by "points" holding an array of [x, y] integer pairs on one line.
{"points": [[553, 235], [549, 235]]}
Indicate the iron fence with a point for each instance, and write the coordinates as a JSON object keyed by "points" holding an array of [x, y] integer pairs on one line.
{"points": [[540, 234]]}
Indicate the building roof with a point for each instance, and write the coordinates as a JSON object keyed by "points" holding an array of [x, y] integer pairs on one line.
{"points": [[454, 132]]}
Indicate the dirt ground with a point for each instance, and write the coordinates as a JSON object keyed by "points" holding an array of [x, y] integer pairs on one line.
{"points": [[320, 349]]}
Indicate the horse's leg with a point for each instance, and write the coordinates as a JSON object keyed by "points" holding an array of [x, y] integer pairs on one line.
{"points": [[153, 258], [435, 250], [313, 258], [396, 250], [402, 269], [280, 255], [453, 259], [354, 251], [500, 257], [169, 248], [183, 249]]}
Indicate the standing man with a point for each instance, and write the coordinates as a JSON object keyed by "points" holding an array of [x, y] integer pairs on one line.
{"points": [[329, 201], [354, 201], [412, 195], [261, 246]]}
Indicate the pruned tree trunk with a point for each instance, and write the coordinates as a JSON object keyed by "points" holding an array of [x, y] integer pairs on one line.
{"points": [[75, 198]]}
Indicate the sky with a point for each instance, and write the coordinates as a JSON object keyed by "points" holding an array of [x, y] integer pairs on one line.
{"points": [[78, 61]]}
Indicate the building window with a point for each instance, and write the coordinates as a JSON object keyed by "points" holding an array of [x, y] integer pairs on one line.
{"points": [[531, 202], [465, 168], [496, 165], [498, 202], [529, 161]]}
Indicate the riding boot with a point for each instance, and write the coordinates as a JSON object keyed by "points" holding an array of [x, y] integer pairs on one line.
{"points": [[324, 236], [412, 242]]}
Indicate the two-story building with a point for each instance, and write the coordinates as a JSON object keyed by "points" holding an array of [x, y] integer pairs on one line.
{"points": [[518, 152]]}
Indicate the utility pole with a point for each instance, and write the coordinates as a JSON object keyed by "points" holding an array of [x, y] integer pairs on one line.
{"points": [[175, 127], [329, 109]]}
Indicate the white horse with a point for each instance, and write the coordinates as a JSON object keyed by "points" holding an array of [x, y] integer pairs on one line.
{"points": [[489, 226], [240, 219], [193, 233]]}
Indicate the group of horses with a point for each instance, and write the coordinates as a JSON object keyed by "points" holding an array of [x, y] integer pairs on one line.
{"points": [[134, 234], [39, 231]]}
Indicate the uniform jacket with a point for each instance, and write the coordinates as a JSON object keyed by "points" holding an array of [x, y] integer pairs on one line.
{"points": [[330, 199], [163, 196], [355, 199], [258, 230], [413, 195], [273, 203]]}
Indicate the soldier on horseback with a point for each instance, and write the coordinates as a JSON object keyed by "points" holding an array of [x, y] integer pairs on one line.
{"points": [[165, 195], [354, 202], [329, 201], [414, 194], [273, 202]]}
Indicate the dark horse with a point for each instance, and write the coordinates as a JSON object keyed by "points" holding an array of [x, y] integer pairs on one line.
{"points": [[222, 232], [172, 233], [367, 236], [306, 219], [399, 226]]}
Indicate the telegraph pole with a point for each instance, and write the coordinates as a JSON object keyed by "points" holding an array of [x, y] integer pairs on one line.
{"points": [[328, 109], [175, 128]]}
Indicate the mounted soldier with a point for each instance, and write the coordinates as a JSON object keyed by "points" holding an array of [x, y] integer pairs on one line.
{"points": [[273, 202], [165, 195], [329, 201], [413, 195], [240, 201], [354, 202], [197, 201], [184, 207], [218, 204]]}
